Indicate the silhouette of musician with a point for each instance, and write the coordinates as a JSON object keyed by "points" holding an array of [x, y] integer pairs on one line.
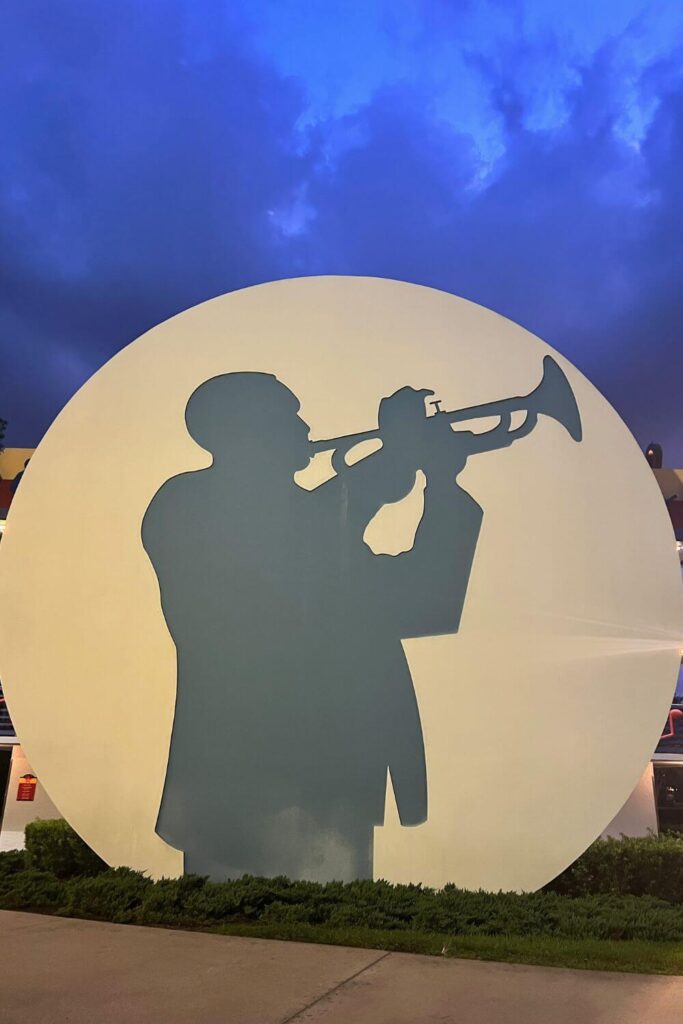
{"points": [[294, 697]]}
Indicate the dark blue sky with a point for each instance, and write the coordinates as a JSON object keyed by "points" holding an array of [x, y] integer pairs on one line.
{"points": [[526, 154]]}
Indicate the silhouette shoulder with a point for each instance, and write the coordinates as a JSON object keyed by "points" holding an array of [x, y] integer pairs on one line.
{"points": [[171, 504]]}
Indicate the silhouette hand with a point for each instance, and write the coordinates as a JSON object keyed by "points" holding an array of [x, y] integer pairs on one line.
{"points": [[404, 409]]}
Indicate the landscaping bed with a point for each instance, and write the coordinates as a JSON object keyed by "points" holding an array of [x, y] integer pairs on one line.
{"points": [[632, 920]]}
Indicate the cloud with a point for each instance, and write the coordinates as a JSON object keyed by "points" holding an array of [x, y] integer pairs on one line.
{"points": [[157, 154], [575, 234], [135, 179]]}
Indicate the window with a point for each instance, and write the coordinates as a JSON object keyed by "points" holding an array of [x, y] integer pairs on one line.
{"points": [[669, 797]]}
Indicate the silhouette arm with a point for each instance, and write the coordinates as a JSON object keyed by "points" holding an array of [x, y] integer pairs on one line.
{"points": [[423, 590]]}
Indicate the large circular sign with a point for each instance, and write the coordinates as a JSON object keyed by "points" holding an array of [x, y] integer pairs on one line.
{"points": [[334, 578]]}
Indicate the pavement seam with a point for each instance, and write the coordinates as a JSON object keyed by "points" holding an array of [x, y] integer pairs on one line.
{"points": [[335, 988]]}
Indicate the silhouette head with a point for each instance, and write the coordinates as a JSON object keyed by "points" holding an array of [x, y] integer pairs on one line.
{"points": [[249, 420]]}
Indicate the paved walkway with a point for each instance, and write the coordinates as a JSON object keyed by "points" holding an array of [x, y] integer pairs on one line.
{"points": [[55, 971]]}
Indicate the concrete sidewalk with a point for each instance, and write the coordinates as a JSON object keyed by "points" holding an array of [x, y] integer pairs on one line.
{"points": [[55, 971]]}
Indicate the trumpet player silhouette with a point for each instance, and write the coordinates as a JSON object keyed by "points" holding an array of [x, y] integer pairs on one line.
{"points": [[294, 698]]}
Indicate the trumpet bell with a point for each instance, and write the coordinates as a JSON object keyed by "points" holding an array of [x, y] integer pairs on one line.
{"points": [[554, 397]]}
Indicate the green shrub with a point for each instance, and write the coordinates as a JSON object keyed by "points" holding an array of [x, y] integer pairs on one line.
{"points": [[31, 890], [455, 911], [124, 896], [242, 899], [166, 902], [12, 861], [458, 912], [647, 866], [54, 846], [114, 895]]}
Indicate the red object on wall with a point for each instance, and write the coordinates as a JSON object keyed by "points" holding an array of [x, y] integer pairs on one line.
{"points": [[6, 493], [27, 787]]}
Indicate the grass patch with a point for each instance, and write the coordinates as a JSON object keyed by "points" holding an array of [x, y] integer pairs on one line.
{"points": [[540, 950]]}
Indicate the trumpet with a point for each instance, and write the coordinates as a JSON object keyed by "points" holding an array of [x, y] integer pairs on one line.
{"points": [[552, 396]]}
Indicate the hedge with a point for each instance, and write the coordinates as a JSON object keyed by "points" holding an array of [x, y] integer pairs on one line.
{"points": [[126, 896], [618, 889], [648, 866]]}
